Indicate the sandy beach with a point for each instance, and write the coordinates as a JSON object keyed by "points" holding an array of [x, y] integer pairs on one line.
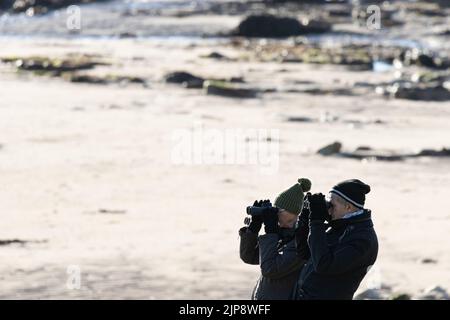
{"points": [[91, 180]]}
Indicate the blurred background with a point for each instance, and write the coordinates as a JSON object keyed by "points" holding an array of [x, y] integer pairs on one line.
{"points": [[135, 133]]}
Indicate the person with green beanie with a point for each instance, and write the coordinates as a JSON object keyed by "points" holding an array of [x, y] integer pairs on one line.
{"points": [[278, 254]]}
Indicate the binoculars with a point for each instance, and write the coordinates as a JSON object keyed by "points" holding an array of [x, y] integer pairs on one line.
{"points": [[258, 211]]}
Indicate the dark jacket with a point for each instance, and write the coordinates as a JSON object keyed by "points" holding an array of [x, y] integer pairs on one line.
{"points": [[278, 260], [340, 258]]}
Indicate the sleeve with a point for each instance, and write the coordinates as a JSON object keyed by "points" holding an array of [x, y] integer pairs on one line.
{"points": [[339, 259], [301, 241], [248, 247], [276, 264]]}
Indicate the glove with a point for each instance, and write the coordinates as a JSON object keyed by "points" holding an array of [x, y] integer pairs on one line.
{"points": [[318, 207], [270, 219], [256, 221]]}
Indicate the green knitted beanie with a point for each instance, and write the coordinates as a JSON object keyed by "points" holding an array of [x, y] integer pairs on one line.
{"points": [[292, 198]]}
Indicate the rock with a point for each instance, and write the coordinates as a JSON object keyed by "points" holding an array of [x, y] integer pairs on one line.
{"points": [[423, 86], [341, 12], [215, 55], [237, 80], [431, 77], [108, 211], [433, 91], [303, 82], [85, 78], [422, 93], [12, 241], [434, 293], [421, 58], [7, 242], [400, 296], [300, 119], [428, 260], [362, 155], [363, 84], [269, 90], [363, 148], [184, 78], [270, 26], [441, 3], [330, 149], [52, 66], [444, 33], [327, 91], [127, 35], [193, 84], [226, 89], [367, 153], [444, 152]]}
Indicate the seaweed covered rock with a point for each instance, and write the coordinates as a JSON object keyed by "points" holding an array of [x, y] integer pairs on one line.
{"points": [[52, 66], [230, 90]]}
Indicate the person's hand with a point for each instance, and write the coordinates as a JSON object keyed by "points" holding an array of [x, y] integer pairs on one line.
{"points": [[318, 207], [270, 219], [256, 221]]}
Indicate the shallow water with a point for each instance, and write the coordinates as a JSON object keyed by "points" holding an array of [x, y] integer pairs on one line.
{"points": [[111, 20], [104, 19]]}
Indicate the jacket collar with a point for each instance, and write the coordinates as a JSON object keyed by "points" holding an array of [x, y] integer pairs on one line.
{"points": [[365, 218]]}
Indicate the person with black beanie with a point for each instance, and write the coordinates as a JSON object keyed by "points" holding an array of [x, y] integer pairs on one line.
{"points": [[342, 250]]}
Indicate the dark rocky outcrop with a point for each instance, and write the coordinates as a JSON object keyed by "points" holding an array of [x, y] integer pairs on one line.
{"points": [[270, 26], [330, 149], [186, 79]]}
